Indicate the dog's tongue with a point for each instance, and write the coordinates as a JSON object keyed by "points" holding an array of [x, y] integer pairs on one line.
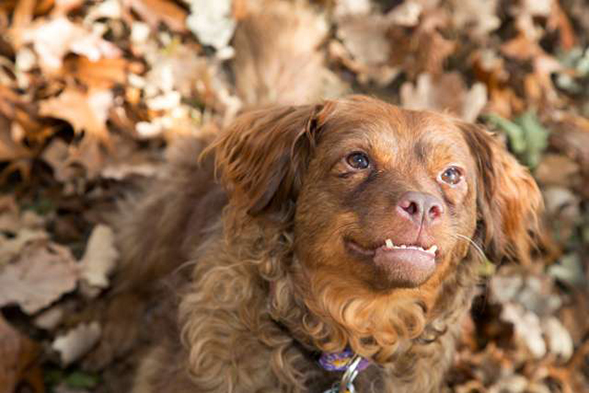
{"points": [[405, 266]]}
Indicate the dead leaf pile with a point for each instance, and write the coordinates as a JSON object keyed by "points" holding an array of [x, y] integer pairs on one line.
{"points": [[93, 92]]}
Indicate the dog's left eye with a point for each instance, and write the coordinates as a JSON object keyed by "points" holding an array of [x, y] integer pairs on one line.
{"points": [[452, 176], [358, 160]]}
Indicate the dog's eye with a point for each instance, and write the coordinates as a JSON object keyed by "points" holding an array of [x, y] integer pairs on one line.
{"points": [[358, 160], [452, 175]]}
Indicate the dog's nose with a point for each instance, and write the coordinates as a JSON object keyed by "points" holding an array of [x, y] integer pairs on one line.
{"points": [[420, 208]]}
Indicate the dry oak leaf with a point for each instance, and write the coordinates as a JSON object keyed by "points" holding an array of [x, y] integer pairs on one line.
{"points": [[85, 111], [41, 274], [100, 257], [19, 355], [100, 74], [154, 12], [478, 18], [11, 149], [431, 93], [53, 39], [77, 342], [422, 48]]}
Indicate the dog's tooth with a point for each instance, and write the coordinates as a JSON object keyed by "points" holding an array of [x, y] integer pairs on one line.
{"points": [[403, 246], [433, 249], [389, 243]]}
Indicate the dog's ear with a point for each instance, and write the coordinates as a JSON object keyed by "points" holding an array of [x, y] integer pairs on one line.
{"points": [[263, 155], [508, 198]]}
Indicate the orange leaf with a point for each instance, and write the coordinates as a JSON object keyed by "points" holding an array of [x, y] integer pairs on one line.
{"points": [[85, 111]]}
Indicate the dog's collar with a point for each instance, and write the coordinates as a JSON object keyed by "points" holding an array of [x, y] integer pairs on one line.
{"points": [[340, 361], [345, 361], [348, 362]]}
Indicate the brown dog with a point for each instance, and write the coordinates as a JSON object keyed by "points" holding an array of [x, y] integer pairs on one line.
{"points": [[352, 224], [347, 236]]}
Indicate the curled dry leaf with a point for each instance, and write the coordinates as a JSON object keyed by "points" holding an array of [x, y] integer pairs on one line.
{"points": [[212, 22], [40, 275], [478, 18], [77, 342], [154, 12], [19, 355], [53, 39], [256, 49], [527, 329], [100, 257], [558, 338], [431, 92], [100, 74]]}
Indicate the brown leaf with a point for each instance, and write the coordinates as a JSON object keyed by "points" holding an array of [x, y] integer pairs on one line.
{"points": [[85, 111], [154, 12], [432, 93], [100, 257], [11, 150], [102, 74], [423, 48], [77, 342], [47, 267], [19, 361], [478, 18], [54, 38]]}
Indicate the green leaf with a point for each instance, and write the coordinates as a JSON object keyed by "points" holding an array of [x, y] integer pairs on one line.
{"points": [[81, 380], [527, 137], [536, 137]]}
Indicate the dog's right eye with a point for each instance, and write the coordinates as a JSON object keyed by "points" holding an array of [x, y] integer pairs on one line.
{"points": [[358, 160]]}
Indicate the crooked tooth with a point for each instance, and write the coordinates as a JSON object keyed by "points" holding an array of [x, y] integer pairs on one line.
{"points": [[389, 243], [433, 249]]}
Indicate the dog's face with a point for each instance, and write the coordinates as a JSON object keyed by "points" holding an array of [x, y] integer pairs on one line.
{"points": [[388, 199], [384, 204]]}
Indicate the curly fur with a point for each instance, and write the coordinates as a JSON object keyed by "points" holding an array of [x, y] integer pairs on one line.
{"points": [[269, 283], [254, 312]]}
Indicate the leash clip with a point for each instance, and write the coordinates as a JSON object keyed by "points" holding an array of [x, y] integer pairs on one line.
{"points": [[346, 384]]}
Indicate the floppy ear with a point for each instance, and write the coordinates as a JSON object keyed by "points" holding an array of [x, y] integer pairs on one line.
{"points": [[508, 198], [263, 155]]}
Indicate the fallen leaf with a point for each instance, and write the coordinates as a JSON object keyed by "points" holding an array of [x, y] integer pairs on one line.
{"points": [[53, 39], [566, 175], [19, 361], [365, 37], [569, 270], [85, 111], [296, 62], [431, 93], [12, 246], [77, 342], [211, 22], [11, 150], [48, 268], [422, 49], [527, 136], [100, 74], [558, 338], [478, 18], [527, 329], [154, 12], [100, 257], [49, 319]]}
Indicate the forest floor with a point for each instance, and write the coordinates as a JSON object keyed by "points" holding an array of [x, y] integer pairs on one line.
{"points": [[93, 92]]}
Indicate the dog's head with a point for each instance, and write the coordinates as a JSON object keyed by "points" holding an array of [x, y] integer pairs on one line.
{"points": [[384, 203]]}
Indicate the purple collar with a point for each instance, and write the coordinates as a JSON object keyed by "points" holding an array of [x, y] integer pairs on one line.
{"points": [[348, 362], [340, 361]]}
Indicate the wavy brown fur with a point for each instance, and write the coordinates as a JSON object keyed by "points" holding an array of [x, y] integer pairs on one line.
{"points": [[271, 282], [256, 307]]}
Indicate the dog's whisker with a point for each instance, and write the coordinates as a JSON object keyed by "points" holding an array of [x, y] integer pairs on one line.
{"points": [[477, 248]]}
